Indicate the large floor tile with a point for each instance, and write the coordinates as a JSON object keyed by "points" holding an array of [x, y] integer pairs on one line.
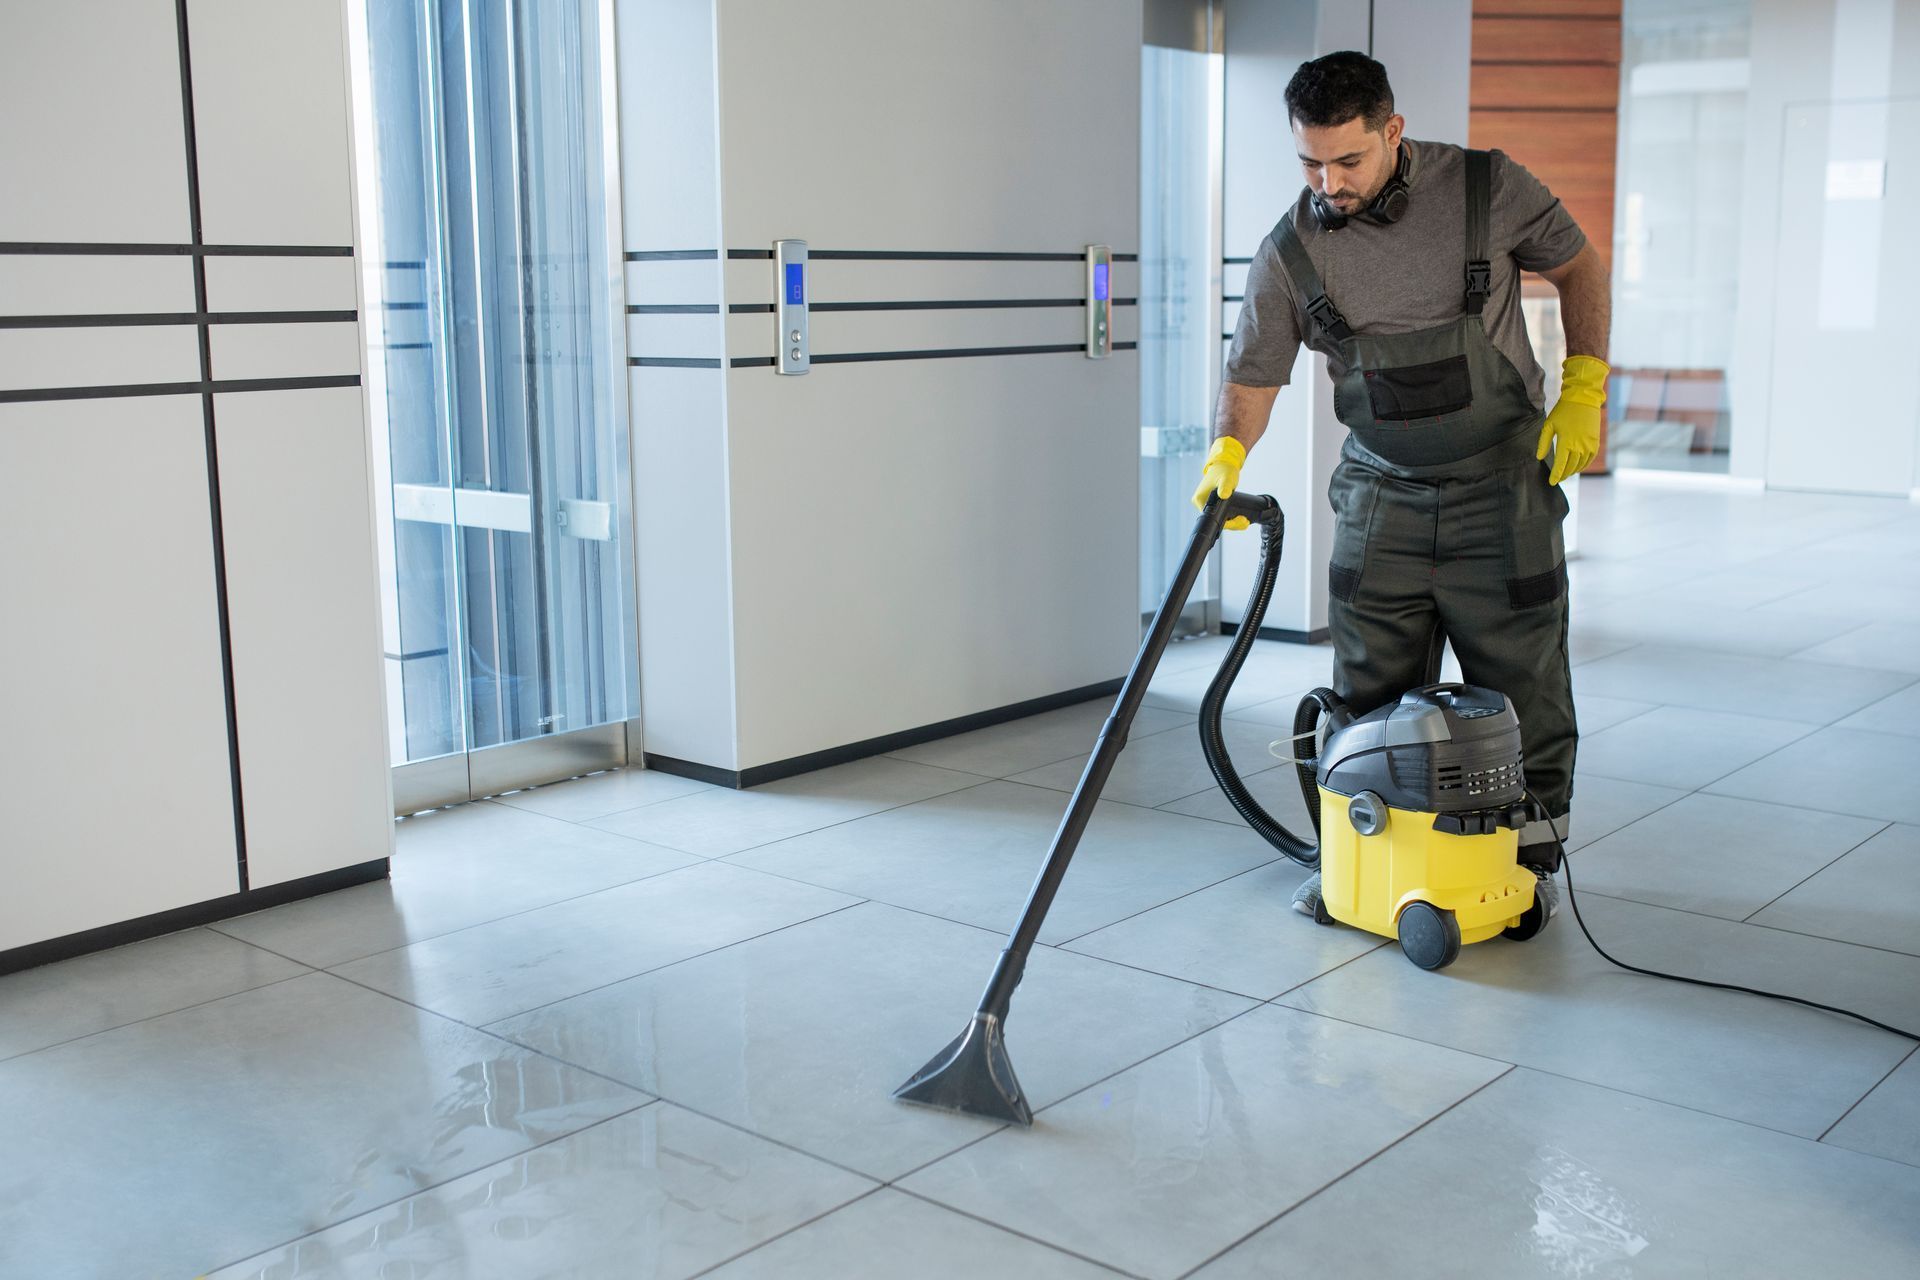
{"points": [[1899, 713], [1887, 1121], [56, 1002], [973, 856], [717, 822], [1683, 747], [804, 1034], [1889, 646], [190, 1140], [1596, 713], [1667, 618], [615, 791], [1871, 896], [656, 1194], [1018, 745], [892, 1234], [1275, 790], [1170, 1162], [1721, 856], [1162, 767], [1541, 1177], [453, 869], [1272, 669], [1602, 806], [1776, 688], [1553, 1003], [1242, 935], [1875, 775], [504, 967]]}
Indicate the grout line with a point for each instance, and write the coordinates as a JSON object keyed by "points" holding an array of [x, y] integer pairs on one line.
{"points": [[165, 1013], [868, 1194], [412, 942], [589, 823], [1012, 1231], [1170, 901], [1871, 836], [433, 1186], [1215, 1257], [1064, 949], [701, 955], [1868, 1094], [1561, 1075]]}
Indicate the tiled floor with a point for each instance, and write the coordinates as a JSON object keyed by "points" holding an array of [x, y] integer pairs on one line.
{"points": [[634, 1026]]}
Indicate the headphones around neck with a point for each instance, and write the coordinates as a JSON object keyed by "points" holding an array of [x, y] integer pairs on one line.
{"points": [[1384, 209]]}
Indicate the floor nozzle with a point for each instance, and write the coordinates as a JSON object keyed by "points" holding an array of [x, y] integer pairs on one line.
{"points": [[972, 1075]]}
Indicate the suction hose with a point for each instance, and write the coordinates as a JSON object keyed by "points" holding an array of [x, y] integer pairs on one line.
{"points": [[1306, 721]]}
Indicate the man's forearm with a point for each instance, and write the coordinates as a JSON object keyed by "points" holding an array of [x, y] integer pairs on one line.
{"points": [[1243, 412], [1586, 304]]}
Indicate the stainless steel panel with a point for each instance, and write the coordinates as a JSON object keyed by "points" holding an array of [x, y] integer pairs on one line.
{"points": [[513, 765], [429, 784]]}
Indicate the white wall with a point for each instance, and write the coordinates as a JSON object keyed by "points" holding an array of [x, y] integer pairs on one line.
{"points": [[905, 541], [116, 737], [1788, 407]]}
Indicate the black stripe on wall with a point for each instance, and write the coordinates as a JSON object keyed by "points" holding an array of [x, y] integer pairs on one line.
{"points": [[207, 388], [212, 440], [88, 248], [127, 319]]}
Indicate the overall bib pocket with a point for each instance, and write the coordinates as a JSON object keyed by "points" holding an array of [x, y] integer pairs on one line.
{"points": [[1430, 390]]}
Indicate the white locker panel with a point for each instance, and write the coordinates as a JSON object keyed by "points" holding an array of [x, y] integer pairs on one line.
{"points": [[93, 147], [280, 284], [304, 614], [285, 350], [270, 110], [72, 285], [114, 745], [113, 356]]}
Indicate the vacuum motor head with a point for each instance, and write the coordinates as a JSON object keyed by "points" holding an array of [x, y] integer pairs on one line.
{"points": [[1444, 749]]}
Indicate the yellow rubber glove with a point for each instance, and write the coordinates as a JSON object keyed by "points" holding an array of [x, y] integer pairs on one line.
{"points": [[1573, 428], [1221, 475]]}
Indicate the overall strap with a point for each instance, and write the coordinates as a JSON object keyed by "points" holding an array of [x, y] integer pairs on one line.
{"points": [[1479, 222], [1306, 282]]}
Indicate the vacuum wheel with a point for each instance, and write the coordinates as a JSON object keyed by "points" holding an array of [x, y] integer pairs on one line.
{"points": [[1429, 936], [1546, 901]]}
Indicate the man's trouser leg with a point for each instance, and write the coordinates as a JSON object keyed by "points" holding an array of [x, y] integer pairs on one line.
{"points": [[1501, 592], [1381, 612]]}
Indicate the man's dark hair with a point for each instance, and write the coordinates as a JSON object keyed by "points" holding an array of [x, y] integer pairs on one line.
{"points": [[1334, 89]]}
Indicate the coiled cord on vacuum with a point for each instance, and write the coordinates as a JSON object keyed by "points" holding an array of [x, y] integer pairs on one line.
{"points": [[1573, 900], [1213, 743]]}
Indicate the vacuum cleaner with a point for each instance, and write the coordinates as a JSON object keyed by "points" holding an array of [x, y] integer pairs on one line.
{"points": [[1417, 808]]}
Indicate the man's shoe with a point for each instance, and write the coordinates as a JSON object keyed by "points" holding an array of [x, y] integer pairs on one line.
{"points": [[1306, 899]]}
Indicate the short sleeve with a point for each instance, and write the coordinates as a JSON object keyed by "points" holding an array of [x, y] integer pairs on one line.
{"points": [[1530, 220], [1267, 338]]}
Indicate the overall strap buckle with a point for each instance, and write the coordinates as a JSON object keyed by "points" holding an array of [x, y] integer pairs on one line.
{"points": [[1479, 285], [1327, 318]]}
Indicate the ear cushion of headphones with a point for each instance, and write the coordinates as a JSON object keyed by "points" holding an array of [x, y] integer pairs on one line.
{"points": [[1325, 214], [1391, 204]]}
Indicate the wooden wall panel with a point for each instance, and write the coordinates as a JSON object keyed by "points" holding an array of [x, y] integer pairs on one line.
{"points": [[1527, 85], [1546, 90], [1546, 39]]}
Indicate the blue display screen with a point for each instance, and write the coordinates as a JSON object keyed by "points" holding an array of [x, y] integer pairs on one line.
{"points": [[1099, 282], [796, 284]]}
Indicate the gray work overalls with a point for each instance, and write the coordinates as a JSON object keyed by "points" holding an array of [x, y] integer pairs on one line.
{"points": [[1445, 526]]}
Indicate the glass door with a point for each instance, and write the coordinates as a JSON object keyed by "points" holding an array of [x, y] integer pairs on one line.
{"points": [[1180, 277], [497, 385]]}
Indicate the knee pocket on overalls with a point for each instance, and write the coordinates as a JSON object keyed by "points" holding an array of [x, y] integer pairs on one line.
{"points": [[1536, 544], [1354, 492]]}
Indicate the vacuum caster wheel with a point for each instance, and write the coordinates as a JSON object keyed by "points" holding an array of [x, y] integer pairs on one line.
{"points": [[1546, 901], [1429, 936]]}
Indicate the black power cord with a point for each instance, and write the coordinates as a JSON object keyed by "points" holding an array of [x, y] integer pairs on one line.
{"points": [[1566, 866]]}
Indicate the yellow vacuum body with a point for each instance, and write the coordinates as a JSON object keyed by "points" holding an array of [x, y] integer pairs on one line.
{"points": [[1421, 806]]}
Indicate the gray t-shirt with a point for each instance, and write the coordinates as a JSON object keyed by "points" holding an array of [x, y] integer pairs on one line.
{"points": [[1412, 274]]}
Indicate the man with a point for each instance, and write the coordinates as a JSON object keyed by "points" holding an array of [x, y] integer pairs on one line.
{"points": [[1401, 261]]}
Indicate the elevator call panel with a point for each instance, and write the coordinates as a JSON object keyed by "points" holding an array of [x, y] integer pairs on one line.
{"points": [[1099, 301], [792, 345]]}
